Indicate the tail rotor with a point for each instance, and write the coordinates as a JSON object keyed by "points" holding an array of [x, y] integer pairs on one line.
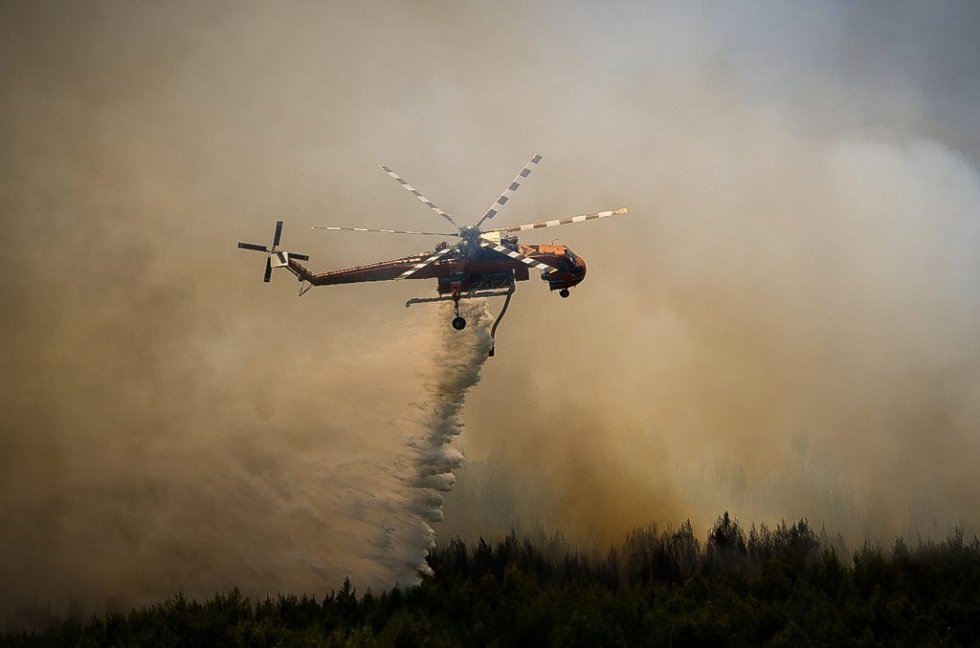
{"points": [[277, 258]]}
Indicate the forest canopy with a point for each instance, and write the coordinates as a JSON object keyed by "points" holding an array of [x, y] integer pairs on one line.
{"points": [[785, 586]]}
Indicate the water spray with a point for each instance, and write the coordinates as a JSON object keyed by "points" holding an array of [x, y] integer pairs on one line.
{"points": [[457, 363]]}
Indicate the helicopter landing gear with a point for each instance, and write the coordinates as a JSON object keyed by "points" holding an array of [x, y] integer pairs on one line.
{"points": [[563, 292], [459, 323]]}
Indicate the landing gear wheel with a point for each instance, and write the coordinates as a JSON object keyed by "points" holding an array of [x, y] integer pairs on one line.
{"points": [[459, 323], [563, 292]]}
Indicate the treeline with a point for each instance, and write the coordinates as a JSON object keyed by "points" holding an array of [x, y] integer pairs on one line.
{"points": [[772, 587]]}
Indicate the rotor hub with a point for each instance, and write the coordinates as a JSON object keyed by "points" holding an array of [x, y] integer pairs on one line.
{"points": [[470, 233]]}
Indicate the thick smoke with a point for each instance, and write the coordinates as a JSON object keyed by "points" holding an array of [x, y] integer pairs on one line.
{"points": [[786, 324]]}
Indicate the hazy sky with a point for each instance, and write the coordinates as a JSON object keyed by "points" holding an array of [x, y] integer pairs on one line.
{"points": [[786, 324]]}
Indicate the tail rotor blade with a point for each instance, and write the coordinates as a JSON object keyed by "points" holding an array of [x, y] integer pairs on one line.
{"points": [[509, 191], [275, 241], [281, 256]]}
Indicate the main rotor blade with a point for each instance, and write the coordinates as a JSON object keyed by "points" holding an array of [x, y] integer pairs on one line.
{"points": [[301, 257], [563, 221], [253, 246], [415, 192], [408, 273], [509, 191], [380, 231], [268, 270], [275, 241], [513, 254]]}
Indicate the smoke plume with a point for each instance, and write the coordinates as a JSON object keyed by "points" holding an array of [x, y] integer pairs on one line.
{"points": [[786, 324]]}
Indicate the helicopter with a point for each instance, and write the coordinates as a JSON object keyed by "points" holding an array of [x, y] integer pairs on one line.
{"points": [[483, 263]]}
